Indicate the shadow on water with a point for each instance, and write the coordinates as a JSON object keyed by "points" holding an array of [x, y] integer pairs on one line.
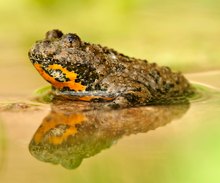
{"points": [[72, 132]]}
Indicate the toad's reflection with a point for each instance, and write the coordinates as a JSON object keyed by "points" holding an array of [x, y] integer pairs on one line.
{"points": [[70, 134]]}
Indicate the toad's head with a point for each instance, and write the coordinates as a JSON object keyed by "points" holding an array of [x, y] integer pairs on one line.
{"points": [[61, 60]]}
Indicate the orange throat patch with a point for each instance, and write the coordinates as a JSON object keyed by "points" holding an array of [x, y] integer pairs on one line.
{"points": [[70, 75]]}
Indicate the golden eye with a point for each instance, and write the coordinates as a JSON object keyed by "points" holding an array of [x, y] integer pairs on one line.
{"points": [[72, 40]]}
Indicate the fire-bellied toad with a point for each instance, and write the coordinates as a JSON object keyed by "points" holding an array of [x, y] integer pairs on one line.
{"points": [[91, 72]]}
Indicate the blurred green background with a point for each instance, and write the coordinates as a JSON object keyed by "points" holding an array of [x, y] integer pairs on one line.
{"points": [[182, 34]]}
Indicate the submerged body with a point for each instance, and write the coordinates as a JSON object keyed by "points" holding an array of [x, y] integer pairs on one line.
{"points": [[90, 72]]}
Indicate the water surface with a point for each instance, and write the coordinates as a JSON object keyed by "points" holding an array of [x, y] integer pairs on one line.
{"points": [[68, 143]]}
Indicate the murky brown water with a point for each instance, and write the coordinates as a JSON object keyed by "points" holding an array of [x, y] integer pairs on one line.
{"points": [[69, 143]]}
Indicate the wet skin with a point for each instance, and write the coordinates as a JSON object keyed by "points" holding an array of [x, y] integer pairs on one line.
{"points": [[83, 71]]}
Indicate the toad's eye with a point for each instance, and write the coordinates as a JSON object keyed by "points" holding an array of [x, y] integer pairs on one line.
{"points": [[71, 40], [72, 37]]}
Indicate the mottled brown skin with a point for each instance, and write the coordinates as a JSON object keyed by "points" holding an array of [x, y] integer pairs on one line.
{"points": [[85, 71]]}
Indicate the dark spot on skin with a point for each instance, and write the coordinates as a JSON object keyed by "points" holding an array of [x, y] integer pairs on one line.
{"points": [[97, 87], [50, 56], [155, 75], [83, 83], [131, 98], [88, 88], [57, 79], [114, 105], [120, 68], [69, 66], [77, 80], [67, 89], [137, 89], [159, 91], [168, 86]]}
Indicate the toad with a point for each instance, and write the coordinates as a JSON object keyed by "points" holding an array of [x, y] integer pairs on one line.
{"points": [[83, 71]]}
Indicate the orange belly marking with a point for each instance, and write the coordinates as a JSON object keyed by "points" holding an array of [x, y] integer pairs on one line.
{"points": [[89, 98]]}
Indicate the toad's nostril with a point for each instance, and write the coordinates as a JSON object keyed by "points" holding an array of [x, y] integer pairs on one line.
{"points": [[53, 34]]}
